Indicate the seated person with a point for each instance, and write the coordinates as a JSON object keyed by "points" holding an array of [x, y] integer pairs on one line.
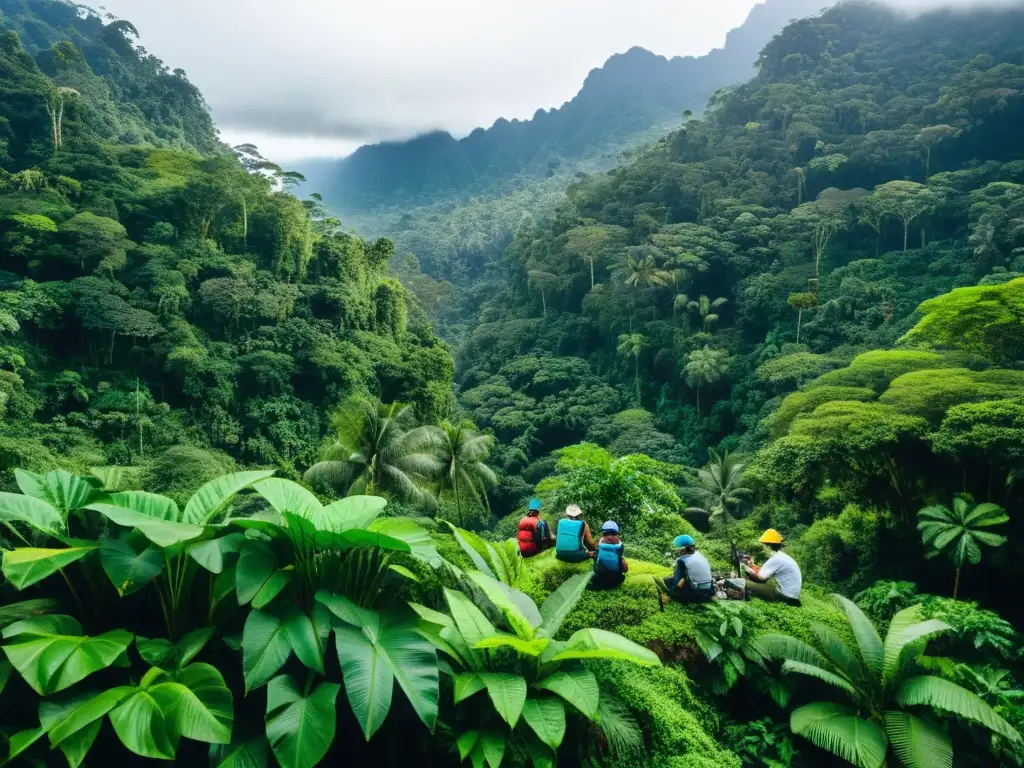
{"points": [[781, 567], [533, 534], [574, 542], [692, 581], [610, 567]]}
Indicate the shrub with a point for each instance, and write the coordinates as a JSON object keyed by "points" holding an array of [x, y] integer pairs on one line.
{"points": [[884, 599], [841, 550]]}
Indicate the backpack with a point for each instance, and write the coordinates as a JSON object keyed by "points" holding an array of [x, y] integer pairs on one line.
{"points": [[609, 558], [569, 540], [540, 533]]}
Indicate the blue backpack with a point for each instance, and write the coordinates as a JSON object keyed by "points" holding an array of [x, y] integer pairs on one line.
{"points": [[569, 541], [609, 558]]}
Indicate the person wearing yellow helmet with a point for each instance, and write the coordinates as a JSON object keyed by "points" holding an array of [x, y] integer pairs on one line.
{"points": [[780, 567]]}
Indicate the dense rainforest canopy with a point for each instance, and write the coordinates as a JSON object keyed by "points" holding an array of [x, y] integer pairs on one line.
{"points": [[230, 428]]}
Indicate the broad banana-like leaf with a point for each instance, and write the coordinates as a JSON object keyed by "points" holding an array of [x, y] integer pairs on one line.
{"points": [[546, 717], [601, 644], [211, 553], [466, 684], [491, 746], [300, 728], [256, 565], [128, 570], [353, 512], [375, 651], [60, 489], [561, 602], [163, 533], [265, 648], [287, 496], [413, 534], [251, 753], [150, 504], [507, 692], [64, 717], [16, 507], [578, 686], [533, 647], [469, 542], [196, 704], [25, 567], [212, 499], [51, 653], [519, 621], [141, 726]]}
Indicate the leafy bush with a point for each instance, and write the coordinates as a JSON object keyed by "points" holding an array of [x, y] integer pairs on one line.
{"points": [[884, 599], [843, 550]]}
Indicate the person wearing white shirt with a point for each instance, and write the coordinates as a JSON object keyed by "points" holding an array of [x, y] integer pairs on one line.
{"points": [[780, 567]]}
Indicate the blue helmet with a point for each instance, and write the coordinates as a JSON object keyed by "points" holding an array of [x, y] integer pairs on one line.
{"points": [[535, 504], [684, 540], [610, 526]]}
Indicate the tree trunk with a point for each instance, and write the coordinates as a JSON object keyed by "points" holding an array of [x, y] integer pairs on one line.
{"points": [[906, 234], [799, 320], [245, 224], [110, 356], [698, 399], [544, 301], [636, 375], [928, 163], [956, 584], [458, 500], [591, 273]]}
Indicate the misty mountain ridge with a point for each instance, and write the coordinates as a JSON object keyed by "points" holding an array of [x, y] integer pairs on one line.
{"points": [[618, 107]]}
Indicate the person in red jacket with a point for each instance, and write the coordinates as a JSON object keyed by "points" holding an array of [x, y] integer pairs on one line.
{"points": [[534, 535]]}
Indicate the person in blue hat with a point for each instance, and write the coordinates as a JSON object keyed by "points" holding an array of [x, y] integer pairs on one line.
{"points": [[610, 567], [533, 535], [691, 582]]}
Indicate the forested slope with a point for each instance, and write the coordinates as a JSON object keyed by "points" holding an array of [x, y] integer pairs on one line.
{"points": [[872, 164], [455, 203], [154, 292]]}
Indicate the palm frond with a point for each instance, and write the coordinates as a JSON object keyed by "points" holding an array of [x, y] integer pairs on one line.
{"points": [[840, 731], [947, 696], [918, 743], [839, 653], [827, 677], [786, 648], [869, 643]]}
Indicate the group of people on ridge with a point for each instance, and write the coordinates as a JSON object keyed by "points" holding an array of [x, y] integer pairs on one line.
{"points": [[779, 579], [574, 543]]}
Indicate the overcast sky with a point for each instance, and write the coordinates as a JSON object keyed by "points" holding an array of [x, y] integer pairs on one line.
{"points": [[307, 78]]}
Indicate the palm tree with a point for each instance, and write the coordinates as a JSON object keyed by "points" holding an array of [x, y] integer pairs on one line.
{"points": [[801, 302], [631, 345], [705, 309], [462, 452], [886, 684], [681, 301], [705, 366], [379, 449], [718, 488], [957, 532], [644, 272]]}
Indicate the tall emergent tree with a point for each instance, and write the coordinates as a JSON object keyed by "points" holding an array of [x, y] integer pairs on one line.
{"points": [[957, 532], [462, 452], [718, 488], [705, 366], [378, 449], [631, 345]]}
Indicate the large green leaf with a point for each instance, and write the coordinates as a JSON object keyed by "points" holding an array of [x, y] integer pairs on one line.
{"points": [[472, 625], [76, 747], [256, 564], [141, 726], [128, 570], [197, 704], [507, 692], [353, 512], [837, 729], [414, 535], [918, 743], [149, 504], [303, 637], [578, 686], [21, 741], [870, 644], [211, 553], [191, 644], [471, 545], [265, 648], [561, 602], [466, 684], [51, 653], [163, 533], [498, 594], [213, 498], [947, 696], [534, 647], [546, 717], [287, 496], [300, 728], [492, 744], [907, 632], [16, 507], [601, 644], [25, 609], [25, 567], [273, 587], [65, 716], [60, 489], [251, 753], [821, 673], [784, 647], [376, 650]]}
